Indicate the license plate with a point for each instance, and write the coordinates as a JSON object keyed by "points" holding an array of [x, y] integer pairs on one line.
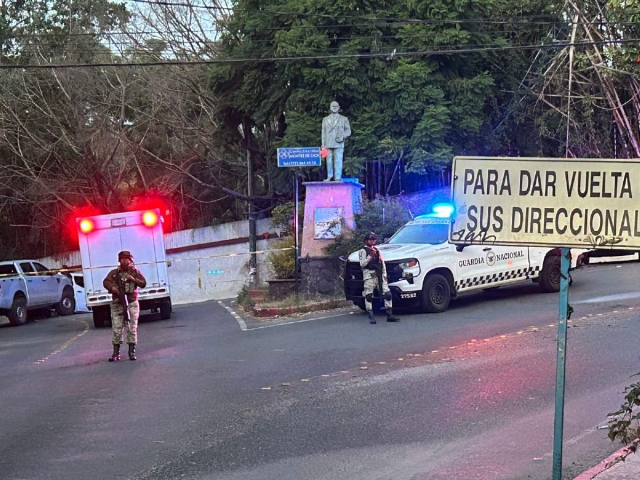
{"points": [[408, 295]]}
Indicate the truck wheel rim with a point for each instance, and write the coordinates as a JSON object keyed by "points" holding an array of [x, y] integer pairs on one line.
{"points": [[66, 302], [554, 274], [437, 294], [21, 312]]}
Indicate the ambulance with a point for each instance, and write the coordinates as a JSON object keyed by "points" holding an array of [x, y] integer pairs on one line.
{"points": [[425, 272], [101, 237]]}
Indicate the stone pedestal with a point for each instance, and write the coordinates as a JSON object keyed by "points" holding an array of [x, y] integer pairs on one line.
{"points": [[320, 276], [329, 208], [279, 289]]}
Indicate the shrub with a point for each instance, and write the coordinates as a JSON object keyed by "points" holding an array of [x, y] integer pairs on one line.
{"points": [[282, 262], [383, 216], [244, 298], [625, 424]]}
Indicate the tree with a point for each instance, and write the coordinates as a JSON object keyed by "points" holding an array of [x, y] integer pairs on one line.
{"points": [[406, 105], [595, 113], [94, 138]]}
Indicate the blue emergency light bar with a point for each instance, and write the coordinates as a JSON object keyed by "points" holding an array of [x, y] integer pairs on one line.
{"points": [[443, 210]]}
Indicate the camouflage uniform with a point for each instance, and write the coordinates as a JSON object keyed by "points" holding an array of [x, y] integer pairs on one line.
{"points": [[374, 274], [117, 310]]}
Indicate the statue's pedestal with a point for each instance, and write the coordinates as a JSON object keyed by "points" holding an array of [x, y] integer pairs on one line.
{"points": [[329, 207]]}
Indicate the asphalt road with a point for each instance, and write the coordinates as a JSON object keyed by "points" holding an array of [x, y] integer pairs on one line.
{"points": [[468, 394]]}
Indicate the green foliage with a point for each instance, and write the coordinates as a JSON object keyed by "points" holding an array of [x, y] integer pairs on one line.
{"points": [[244, 298], [282, 262], [383, 216], [422, 108], [625, 424], [282, 217]]}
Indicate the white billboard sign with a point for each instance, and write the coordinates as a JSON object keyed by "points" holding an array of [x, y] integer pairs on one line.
{"points": [[584, 203]]}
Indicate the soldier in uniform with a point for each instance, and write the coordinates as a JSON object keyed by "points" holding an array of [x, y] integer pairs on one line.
{"points": [[335, 129], [122, 282], [374, 274]]}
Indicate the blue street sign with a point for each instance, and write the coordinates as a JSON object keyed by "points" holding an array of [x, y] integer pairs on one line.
{"points": [[299, 157]]}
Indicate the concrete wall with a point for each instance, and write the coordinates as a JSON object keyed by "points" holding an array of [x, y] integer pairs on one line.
{"points": [[207, 263]]}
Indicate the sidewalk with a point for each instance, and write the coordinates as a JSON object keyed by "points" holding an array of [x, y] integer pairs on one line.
{"points": [[622, 465]]}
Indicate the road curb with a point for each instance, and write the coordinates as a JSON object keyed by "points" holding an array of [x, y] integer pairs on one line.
{"points": [[263, 312], [610, 461]]}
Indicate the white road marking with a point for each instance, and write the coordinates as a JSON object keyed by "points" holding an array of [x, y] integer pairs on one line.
{"points": [[243, 325], [296, 321], [609, 298]]}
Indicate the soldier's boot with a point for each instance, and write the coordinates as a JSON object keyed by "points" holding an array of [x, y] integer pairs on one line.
{"points": [[372, 319], [132, 351], [391, 317], [115, 356]]}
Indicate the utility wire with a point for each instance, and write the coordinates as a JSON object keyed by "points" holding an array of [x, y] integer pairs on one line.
{"points": [[388, 55]]}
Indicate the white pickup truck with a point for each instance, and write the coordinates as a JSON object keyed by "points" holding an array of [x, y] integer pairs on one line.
{"points": [[425, 271], [29, 285]]}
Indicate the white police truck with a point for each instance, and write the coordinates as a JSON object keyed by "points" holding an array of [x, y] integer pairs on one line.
{"points": [[425, 272]]}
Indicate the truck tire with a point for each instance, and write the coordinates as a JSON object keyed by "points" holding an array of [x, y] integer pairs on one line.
{"points": [[18, 312], [550, 274], [67, 303], [101, 316], [165, 310], [436, 294]]}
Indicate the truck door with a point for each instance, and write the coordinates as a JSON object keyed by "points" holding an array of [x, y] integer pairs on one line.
{"points": [[33, 288], [486, 266], [141, 242], [102, 248], [507, 264], [472, 268], [78, 290], [47, 282]]}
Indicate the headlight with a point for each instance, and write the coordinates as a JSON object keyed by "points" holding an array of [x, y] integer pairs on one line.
{"points": [[410, 268]]}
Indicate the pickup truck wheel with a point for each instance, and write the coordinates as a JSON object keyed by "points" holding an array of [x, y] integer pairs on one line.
{"points": [[165, 310], [101, 316], [550, 275], [436, 294], [18, 313], [67, 303]]}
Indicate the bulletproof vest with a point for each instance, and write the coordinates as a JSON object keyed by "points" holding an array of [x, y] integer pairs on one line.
{"points": [[374, 264], [129, 286]]}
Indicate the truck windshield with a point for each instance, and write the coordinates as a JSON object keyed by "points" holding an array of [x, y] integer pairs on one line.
{"points": [[424, 233]]}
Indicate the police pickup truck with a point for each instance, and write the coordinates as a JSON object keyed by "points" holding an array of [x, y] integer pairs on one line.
{"points": [[425, 272], [29, 285]]}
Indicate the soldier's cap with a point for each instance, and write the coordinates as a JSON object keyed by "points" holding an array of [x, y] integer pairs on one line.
{"points": [[125, 254]]}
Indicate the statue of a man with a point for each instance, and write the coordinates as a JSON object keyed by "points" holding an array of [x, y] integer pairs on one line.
{"points": [[335, 129]]}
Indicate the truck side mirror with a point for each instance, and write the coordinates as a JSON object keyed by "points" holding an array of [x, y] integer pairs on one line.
{"points": [[459, 248]]}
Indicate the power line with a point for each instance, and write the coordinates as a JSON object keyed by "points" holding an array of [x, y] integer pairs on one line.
{"points": [[388, 55]]}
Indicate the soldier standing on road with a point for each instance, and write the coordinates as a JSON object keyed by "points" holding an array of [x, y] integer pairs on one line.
{"points": [[374, 274], [122, 282]]}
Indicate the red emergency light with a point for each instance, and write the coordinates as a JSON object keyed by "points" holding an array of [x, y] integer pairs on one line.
{"points": [[86, 225], [150, 219]]}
